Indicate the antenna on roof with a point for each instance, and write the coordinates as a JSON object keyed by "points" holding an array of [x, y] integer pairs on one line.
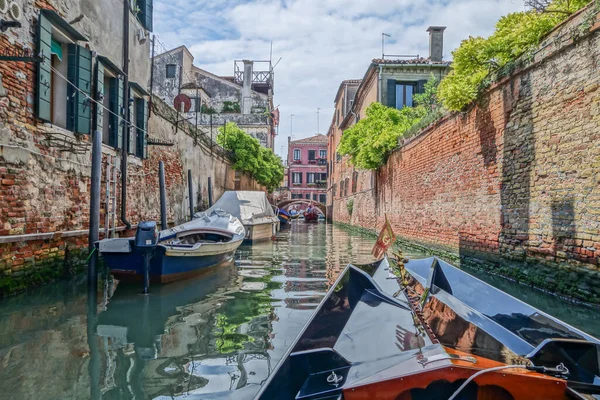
{"points": [[383, 35]]}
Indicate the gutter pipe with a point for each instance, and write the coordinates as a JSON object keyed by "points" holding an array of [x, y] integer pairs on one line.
{"points": [[124, 149]]}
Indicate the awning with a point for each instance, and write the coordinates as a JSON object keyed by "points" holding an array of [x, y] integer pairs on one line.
{"points": [[56, 48], [63, 25]]}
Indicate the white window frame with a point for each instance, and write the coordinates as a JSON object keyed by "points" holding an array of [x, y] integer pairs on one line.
{"points": [[299, 154], [296, 175]]}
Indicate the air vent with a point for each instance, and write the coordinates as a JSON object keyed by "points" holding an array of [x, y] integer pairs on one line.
{"points": [[15, 11], [3, 6]]}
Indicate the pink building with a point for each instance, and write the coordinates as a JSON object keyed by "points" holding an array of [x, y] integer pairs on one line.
{"points": [[307, 168]]}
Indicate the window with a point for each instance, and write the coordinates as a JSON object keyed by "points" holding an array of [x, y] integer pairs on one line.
{"points": [[144, 15], [296, 195], [404, 95], [63, 104], [307, 196], [296, 154], [312, 155], [314, 196], [171, 71], [139, 116], [342, 189], [354, 181], [297, 178], [322, 177], [310, 177], [323, 198], [346, 184], [323, 153], [196, 104]]}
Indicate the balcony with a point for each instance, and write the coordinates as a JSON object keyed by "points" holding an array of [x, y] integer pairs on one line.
{"points": [[322, 161], [297, 162], [312, 161]]}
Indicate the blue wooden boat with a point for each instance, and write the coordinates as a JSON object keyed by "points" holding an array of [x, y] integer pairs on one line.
{"points": [[176, 253], [284, 216], [432, 331]]}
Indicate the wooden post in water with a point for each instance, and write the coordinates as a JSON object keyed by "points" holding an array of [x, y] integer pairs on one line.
{"points": [[94, 227], [210, 198], [191, 193]]}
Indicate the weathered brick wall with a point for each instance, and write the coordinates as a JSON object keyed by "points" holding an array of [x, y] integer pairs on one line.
{"points": [[515, 180]]}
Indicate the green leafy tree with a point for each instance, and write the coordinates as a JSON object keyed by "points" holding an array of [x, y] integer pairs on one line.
{"points": [[372, 139], [249, 156], [478, 59]]}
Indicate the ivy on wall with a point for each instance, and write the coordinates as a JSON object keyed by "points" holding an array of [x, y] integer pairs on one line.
{"points": [[517, 35], [249, 156]]}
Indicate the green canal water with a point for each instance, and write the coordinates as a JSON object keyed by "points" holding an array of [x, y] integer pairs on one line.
{"points": [[214, 337]]}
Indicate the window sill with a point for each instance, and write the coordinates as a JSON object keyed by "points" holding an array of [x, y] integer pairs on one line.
{"points": [[134, 160]]}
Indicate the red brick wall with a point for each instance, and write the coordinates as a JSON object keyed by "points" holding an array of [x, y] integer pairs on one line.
{"points": [[514, 181]]}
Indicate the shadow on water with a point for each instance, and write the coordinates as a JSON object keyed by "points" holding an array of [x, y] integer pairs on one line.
{"points": [[216, 336]]}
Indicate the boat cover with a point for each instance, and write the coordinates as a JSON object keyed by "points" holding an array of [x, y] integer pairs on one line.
{"points": [[214, 218], [251, 207]]}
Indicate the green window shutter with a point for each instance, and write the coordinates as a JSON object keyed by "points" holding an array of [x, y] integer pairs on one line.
{"points": [[132, 133], [145, 14], [44, 49], [78, 103], [141, 121], [115, 102], [99, 97], [391, 93]]}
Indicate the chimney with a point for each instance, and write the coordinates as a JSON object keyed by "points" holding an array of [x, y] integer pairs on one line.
{"points": [[247, 87], [436, 42]]}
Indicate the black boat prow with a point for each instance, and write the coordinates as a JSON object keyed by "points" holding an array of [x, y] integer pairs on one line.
{"points": [[334, 340], [432, 334]]}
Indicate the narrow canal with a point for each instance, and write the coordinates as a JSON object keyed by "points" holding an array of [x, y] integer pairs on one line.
{"points": [[217, 336]]}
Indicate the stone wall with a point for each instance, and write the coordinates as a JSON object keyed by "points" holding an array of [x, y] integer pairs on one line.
{"points": [[511, 185]]}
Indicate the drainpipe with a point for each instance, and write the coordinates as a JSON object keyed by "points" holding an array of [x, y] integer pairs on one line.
{"points": [[380, 83], [126, 114]]}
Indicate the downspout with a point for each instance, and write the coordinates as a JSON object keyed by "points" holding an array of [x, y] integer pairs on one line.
{"points": [[126, 114], [380, 83]]}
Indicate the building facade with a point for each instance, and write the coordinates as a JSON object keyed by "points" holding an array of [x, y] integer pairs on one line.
{"points": [[245, 98], [392, 82], [63, 75], [307, 168]]}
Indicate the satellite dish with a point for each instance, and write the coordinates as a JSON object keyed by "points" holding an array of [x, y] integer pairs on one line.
{"points": [[182, 103]]}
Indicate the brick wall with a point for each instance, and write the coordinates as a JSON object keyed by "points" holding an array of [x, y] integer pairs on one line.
{"points": [[512, 185]]}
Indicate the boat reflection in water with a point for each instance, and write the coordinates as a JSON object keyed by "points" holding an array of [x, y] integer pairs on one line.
{"points": [[185, 338]]}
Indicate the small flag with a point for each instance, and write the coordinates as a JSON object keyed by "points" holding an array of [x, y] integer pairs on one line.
{"points": [[385, 240]]}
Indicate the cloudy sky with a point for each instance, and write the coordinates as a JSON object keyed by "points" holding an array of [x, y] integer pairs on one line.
{"points": [[320, 42]]}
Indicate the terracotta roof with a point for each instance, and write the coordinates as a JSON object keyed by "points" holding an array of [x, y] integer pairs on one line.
{"points": [[409, 61], [317, 139]]}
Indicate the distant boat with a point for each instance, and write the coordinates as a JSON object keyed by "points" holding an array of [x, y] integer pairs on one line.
{"points": [[434, 333], [255, 212], [311, 215], [284, 216], [294, 214], [184, 250]]}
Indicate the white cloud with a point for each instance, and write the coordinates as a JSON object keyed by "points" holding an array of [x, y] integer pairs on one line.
{"points": [[321, 42]]}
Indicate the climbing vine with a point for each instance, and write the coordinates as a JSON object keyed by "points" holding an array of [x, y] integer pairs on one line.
{"points": [[516, 35], [249, 156], [370, 141]]}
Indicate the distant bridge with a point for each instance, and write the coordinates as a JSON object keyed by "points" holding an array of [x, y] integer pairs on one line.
{"points": [[285, 204]]}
